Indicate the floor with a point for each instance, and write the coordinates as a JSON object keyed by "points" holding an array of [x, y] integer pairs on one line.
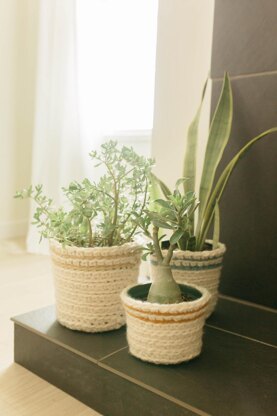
{"points": [[26, 284]]}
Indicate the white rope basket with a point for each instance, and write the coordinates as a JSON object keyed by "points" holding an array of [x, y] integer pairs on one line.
{"points": [[88, 282], [168, 333], [201, 268]]}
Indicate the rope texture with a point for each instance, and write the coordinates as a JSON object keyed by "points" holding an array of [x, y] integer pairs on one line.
{"points": [[88, 282], [168, 333]]}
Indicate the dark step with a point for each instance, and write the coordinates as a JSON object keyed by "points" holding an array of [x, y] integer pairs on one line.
{"points": [[234, 376]]}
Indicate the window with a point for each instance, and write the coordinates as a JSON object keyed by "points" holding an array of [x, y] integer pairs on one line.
{"points": [[116, 42]]}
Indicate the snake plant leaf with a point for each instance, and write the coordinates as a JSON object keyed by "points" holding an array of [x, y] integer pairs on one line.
{"points": [[191, 243], [216, 226], [207, 219], [154, 191], [221, 185], [155, 181], [189, 167], [218, 137]]}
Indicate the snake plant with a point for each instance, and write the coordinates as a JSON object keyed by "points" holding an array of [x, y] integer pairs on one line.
{"points": [[210, 192]]}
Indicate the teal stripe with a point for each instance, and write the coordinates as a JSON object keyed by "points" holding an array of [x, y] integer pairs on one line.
{"points": [[191, 268], [213, 258]]}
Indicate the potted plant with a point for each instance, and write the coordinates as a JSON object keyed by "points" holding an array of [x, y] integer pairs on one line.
{"points": [[92, 246], [198, 260], [164, 319]]}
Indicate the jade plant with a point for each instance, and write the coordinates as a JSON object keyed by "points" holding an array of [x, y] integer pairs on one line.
{"points": [[175, 214], [211, 190], [99, 214]]}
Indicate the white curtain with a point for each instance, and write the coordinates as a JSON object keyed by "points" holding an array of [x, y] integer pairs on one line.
{"points": [[57, 149], [95, 76]]}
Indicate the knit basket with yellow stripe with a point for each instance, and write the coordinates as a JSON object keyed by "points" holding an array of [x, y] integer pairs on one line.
{"points": [[201, 268], [88, 282], [165, 333]]}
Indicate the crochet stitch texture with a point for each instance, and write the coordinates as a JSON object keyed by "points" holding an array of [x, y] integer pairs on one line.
{"points": [[165, 333], [88, 282]]}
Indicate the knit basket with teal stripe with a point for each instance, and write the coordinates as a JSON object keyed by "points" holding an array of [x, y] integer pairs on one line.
{"points": [[202, 268]]}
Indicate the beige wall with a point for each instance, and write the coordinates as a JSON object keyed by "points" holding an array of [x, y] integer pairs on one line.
{"points": [[18, 33], [183, 64]]}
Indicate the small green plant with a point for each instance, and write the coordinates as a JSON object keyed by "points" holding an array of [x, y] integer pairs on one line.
{"points": [[210, 192], [100, 213], [175, 213]]}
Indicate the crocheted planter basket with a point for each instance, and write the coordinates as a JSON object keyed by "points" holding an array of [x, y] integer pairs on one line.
{"points": [[88, 282], [165, 333], [201, 268]]}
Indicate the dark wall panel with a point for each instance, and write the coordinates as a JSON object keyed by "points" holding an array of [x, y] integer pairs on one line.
{"points": [[244, 37], [249, 205]]}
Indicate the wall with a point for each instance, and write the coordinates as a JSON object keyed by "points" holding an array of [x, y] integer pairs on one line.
{"points": [[239, 37], [182, 65], [244, 43], [17, 62]]}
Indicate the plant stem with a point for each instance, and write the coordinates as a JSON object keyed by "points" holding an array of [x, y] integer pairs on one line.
{"points": [[90, 232], [164, 289], [103, 192], [169, 254], [127, 173], [156, 243], [141, 210], [116, 195], [127, 218]]}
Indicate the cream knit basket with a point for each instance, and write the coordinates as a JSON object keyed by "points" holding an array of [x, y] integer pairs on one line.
{"points": [[168, 333], [88, 282], [201, 268]]}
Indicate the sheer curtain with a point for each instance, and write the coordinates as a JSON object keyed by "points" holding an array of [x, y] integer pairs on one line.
{"points": [[95, 80], [57, 156]]}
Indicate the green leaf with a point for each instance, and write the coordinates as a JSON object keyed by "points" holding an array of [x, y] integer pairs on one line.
{"points": [[162, 237], [163, 203], [216, 226], [155, 180], [78, 219], [161, 224], [181, 180], [176, 236], [221, 185], [189, 167], [159, 221], [144, 256], [218, 137], [154, 191]]}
